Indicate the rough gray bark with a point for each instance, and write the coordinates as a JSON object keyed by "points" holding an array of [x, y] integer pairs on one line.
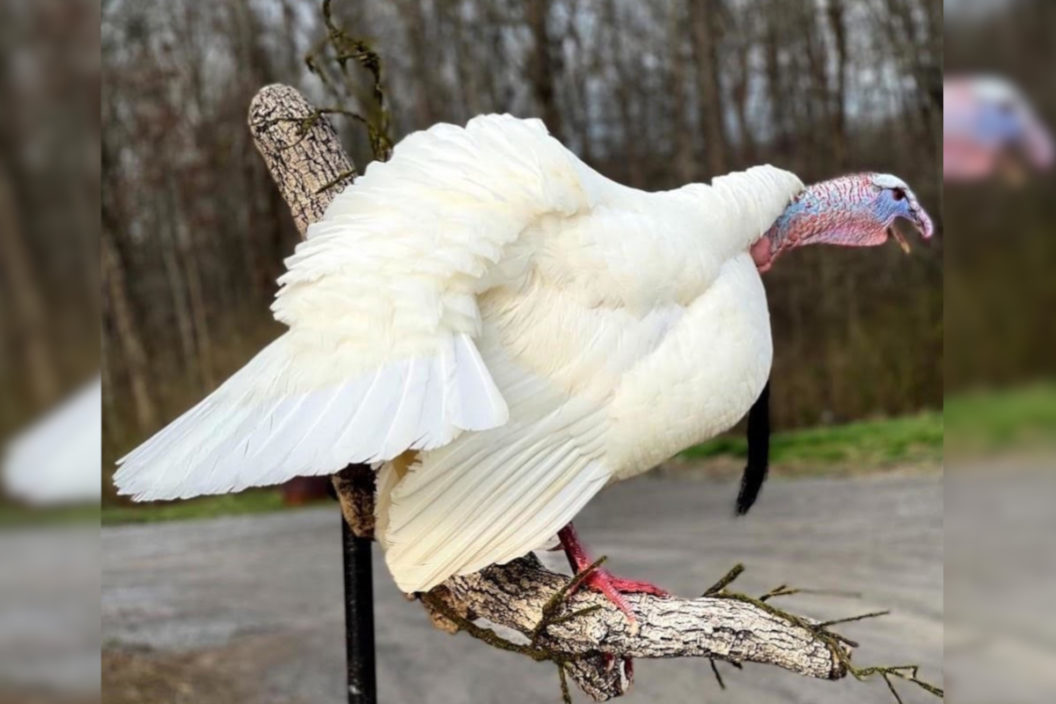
{"points": [[304, 156], [514, 595], [301, 150]]}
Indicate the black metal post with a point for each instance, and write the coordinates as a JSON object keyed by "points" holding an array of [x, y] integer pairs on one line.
{"points": [[359, 618]]}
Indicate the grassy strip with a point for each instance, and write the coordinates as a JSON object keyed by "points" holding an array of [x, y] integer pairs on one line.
{"points": [[869, 443], [13, 515], [254, 501], [988, 420]]}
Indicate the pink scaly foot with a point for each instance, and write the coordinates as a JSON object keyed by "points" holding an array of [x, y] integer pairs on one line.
{"points": [[603, 581]]}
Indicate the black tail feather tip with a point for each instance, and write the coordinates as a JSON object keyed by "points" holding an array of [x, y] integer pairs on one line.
{"points": [[758, 452]]}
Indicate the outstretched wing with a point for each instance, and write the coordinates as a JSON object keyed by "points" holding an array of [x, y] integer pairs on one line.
{"points": [[381, 306]]}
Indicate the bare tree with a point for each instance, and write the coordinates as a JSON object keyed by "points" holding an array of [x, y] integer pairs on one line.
{"points": [[541, 65], [837, 18], [704, 20], [119, 313], [684, 153]]}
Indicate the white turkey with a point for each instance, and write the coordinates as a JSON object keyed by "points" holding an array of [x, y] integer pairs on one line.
{"points": [[502, 331]]}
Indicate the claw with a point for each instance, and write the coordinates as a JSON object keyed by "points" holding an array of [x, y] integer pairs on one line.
{"points": [[601, 580]]}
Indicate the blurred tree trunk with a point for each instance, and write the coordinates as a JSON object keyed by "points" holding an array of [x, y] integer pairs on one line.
{"points": [[921, 61], [495, 20], [705, 25], [739, 89], [541, 68], [120, 314], [293, 60], [630, 145], [203, 339], [817, 119], [775, 94], [28, 309], [428, 106], [837, 17], [684, 158], [462, 43], [584, 65], [176, 284]]}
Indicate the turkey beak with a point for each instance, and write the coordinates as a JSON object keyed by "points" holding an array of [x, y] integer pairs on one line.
{"points": [[893, 232], [920, 221]]}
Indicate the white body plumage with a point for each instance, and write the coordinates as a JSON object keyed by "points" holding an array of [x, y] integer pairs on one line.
{"points": [[529, 328]]}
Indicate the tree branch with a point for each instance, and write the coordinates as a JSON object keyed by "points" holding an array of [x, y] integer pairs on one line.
{"points": [[584, 632], [301, 150]]}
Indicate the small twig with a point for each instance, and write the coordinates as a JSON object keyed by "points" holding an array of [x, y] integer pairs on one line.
{"points": [[555, 602], [566, 696], [894, 692], [851, 619], [306, 123], [781, 590], [785, 590], [833, 640], [575, 614], [715, 671], [906, 672], [726, 580], [347, 48], [580, 576], [844, 639], [351, 173]]}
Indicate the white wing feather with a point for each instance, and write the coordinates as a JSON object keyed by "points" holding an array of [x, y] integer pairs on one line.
{"points": [[493, 496], [381, 306]]}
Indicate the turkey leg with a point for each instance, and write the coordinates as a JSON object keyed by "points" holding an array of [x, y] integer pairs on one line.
{"points": [[600, 579]]}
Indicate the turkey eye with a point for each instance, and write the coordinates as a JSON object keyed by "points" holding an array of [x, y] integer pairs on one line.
{"points": [[899, 194]]}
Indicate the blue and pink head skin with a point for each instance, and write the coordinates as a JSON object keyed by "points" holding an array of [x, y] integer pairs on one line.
{"points": [[990, 128], [851, 211]]}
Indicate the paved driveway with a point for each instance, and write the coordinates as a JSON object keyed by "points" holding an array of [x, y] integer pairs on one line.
{"points": [[248, 609]]}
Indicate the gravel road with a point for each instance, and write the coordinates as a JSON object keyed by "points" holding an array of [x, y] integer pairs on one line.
{"points": [[248, 609]]}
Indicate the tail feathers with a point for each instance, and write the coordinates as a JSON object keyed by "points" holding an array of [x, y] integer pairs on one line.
{"points": [[758, 452], [268, 423]]}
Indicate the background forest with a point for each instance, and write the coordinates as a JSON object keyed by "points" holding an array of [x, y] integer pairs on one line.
{"points": [[652, 94]]}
